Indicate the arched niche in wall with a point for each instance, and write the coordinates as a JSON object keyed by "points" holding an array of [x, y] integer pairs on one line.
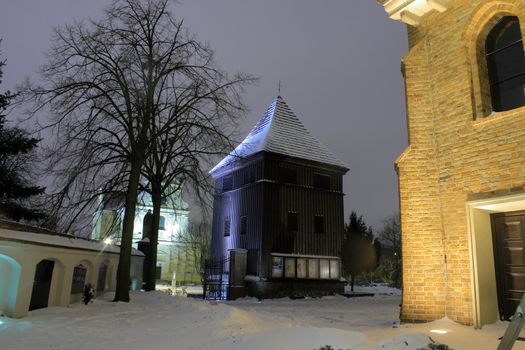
{"points": [[47, 284], [82, 274], [10, 279]]}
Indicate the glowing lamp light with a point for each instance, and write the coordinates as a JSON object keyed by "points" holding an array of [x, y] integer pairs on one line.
{"points": [[108, 241], [439, 331]]}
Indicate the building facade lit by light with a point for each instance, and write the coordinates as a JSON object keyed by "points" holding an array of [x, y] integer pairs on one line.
{"points": [[172, 261], [462, 177]]}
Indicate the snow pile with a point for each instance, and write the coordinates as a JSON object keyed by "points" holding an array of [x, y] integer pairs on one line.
{"points": [[157, 321], [378, 289], [252, 278], [302, 338], [407, 341]]}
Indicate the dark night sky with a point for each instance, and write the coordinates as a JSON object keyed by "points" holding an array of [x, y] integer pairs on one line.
{"points": [[338, 60]]}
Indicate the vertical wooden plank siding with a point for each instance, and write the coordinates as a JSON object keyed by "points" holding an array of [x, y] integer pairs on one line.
{"points": [[266, 202]]}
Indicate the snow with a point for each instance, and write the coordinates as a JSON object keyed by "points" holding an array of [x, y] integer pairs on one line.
{"points": [[156, 320], [252, 278], [407, 341], [378, 289]]}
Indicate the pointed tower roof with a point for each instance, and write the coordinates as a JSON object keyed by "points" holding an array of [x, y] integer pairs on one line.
{"points": [[280, 131]]}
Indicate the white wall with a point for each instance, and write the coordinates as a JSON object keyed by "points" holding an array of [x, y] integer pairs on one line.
{"points": [[18, 262]]}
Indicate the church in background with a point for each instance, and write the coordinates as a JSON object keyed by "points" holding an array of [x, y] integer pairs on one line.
{"points": [[177, 263]]}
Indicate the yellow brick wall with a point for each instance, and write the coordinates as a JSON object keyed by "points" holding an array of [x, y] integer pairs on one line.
{"points": [[455, 154]]}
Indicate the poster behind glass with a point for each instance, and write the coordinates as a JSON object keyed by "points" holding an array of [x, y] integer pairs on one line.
{"points": [[277, 267]]}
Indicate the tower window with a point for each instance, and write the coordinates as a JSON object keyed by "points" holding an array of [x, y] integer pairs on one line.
{"points": [[248, 176], [227, 224], [227, 183], [288, 175], [292, 221], [162, 223], [322, 181], [319, 224], [506, 65], [242, 225]]}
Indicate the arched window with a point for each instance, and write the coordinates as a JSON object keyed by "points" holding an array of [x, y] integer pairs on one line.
{"points": [[79, 279], [506, 64]]}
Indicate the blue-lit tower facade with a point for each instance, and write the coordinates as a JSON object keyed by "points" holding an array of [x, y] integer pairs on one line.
{"points": [[279, 196]]}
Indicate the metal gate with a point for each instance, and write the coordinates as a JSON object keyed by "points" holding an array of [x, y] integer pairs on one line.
{"points": [[216, 279]]}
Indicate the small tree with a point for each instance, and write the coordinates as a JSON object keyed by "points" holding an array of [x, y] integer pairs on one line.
{"points": [[390, 236], [358, 251], [16, 156], [358, 255], [357, 226], [196, 244]]}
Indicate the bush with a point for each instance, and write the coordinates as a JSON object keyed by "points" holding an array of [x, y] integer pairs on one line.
{"points": [[384, 273], [88, 294]]}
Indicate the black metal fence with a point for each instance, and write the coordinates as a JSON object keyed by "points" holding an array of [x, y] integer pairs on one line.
{"points": [[216, 279]]}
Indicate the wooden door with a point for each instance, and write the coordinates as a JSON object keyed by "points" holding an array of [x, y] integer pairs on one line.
{"points": [[508, 233], [41, 284]]}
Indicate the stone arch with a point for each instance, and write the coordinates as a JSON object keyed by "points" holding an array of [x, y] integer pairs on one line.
{"points": [[10, 277], [474, 38], [90, 270], [102, 278], [80, 278], [56, 284]]}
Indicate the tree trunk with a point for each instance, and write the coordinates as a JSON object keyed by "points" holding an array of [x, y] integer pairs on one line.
{"points": [[156, 198], [124, 262]]}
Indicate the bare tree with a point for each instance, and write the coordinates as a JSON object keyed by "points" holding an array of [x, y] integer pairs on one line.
{"points": [[202, 114], [390, 233], [196, 244], [390, 236], [114, 87]]}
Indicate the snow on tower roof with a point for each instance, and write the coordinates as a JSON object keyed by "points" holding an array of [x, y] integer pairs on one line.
{"points": [[280, 131]]}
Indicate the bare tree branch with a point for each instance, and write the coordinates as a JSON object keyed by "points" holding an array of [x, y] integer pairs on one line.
{"points": [[133, 96]]}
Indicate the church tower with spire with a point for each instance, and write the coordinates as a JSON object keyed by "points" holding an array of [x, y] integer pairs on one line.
{"points": [[279, 196]]}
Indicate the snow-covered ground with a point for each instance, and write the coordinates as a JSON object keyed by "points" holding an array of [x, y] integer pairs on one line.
{"points": [[158, 321]]}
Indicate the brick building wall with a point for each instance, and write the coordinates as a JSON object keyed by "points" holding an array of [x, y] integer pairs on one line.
{"points": [[459, 151]]}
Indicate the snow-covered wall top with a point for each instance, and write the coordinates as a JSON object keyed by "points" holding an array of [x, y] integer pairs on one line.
{"points": [[61, 240]]}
